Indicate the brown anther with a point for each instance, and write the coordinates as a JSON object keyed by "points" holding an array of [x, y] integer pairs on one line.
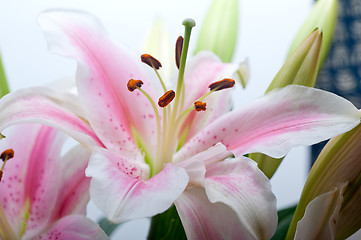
{"points": [[7, 154], [166, 98], [151, 61], [1, 175], [200, 106], [133, 84], [178, 50], [222, 84]]}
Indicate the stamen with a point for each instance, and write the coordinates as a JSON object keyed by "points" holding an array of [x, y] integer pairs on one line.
{"points": [[200, 106], [5, 156], [134, 84], [178, 50], [222, 84], [151, 61], [166, 98]]}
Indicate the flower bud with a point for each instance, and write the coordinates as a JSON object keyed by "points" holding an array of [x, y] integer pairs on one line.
{"points": [[338, 163], [218, 32], [323, 16]]}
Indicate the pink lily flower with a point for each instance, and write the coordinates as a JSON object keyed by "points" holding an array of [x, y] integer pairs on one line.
{"points": [[44, 194], [146, 157]]}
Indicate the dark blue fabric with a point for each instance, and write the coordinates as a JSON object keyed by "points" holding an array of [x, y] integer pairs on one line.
{"points": [[341, 72]]}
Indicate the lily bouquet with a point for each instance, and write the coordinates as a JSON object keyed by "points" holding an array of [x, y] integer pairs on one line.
{"points": [[175, 151]]}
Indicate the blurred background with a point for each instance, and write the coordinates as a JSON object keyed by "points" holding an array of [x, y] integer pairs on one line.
{"points": [[266, 29]]}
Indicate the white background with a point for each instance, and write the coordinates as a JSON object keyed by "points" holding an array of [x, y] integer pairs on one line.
{"points": [[266, 30]]}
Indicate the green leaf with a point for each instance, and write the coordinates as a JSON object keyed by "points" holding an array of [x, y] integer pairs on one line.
{"points": [[107, 226], [167, 225], [284, 220], [218, 32]]}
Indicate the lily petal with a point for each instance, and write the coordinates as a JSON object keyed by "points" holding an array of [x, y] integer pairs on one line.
{"points": [[278, 121], [74, 227], [45, 105], [103, 72], [321, 216], [118, 187], [202, 70], [238, 183], [18, 186], [202, 219], [196, 165], [32, 184], [75, 185]]}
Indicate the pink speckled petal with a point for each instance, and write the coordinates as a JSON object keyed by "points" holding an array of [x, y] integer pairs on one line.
{"points": [[321, 216], [47, 106], [196, 165], [238, 183], [74, 227], [35, 147], [119, 186], [202, 219], [278, 121], [73, 195], [202, 70], [38, 178], [103, 72]]}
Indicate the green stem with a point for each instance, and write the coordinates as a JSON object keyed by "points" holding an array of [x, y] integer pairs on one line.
{"points": [[166, 225]]}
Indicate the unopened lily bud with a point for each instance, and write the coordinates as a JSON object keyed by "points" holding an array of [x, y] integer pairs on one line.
{"points": [[302, 66], [323, 16], [339, 162], [218, 32], [4, 87]]}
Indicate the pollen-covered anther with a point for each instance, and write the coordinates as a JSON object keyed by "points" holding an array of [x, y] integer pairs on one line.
{"points": [[222, 84], [200, 106], [7, 154], [151, 61], [166, 98], [134, 84], [178, 50]]}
